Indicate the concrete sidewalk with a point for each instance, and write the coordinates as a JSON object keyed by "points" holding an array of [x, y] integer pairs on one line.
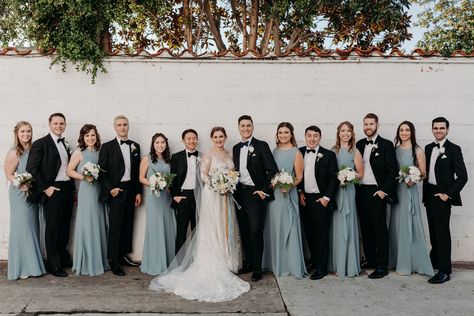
{"points": [[393, 295]]}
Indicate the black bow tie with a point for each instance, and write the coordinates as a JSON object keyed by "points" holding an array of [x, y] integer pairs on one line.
{"points": [[128, 142], [61, 140], [311, 151], [437, 145], [195, 154], [242, 144], [367, 142]]}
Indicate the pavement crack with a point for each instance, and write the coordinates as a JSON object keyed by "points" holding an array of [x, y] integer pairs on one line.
{"points": [[23, 310]]}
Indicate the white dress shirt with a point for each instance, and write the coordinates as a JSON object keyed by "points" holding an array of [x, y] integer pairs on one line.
{"points": [[125, 148], [191, 173], [369, 177], [61, 176], [310, 184], [434, 156], [244, 173]]}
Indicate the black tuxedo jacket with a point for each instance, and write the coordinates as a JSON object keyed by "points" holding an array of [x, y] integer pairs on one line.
{"points": [[325, 172], [260, 164], [179, 166], [43, 164], [111, 161], [383, 162], [450, 171]]}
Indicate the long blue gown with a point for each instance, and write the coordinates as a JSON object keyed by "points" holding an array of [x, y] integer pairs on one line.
{"points": [[283, 251]]}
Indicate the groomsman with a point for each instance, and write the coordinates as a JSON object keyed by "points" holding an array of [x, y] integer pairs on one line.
{"points": [[47, 163], [121, 190], [446, 176], [254, 160], [185, 185], [317, 193], [378, 187]]}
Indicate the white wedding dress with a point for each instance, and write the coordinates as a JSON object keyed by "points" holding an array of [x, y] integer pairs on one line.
{"points": [[202, 268]]}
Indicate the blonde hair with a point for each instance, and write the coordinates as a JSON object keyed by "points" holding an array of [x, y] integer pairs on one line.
{"points": [[120, 117], [16, 141]]}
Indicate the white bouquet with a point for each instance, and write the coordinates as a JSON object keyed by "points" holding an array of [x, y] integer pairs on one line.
{"points": [[223, 181], [347, 176], [409, 175], [22, 181], [283, 180], [90, 171], [159, 181]]}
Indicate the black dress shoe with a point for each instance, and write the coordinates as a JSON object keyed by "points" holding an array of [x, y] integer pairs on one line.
{"points": [[257, 276], [367, 265], [126, 260], [378, 273], [59, 273], [439, 278], [318, 275], [117, 271]]}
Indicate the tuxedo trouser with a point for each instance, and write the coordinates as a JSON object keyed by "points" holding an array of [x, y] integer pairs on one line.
{"points": [[58, 210], [372, 213], [251, 218], [438, 213], [121, 217], [316, 221], [185, 212]]}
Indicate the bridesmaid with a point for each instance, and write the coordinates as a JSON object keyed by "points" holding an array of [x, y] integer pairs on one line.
{"points": [[160, 229], [90, 243], [408, 252], [283, 252], [24, 254], [344, 258]]}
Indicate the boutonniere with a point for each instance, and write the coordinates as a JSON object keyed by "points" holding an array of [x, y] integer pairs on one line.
{"points": [[375, 146], [441, 152], [251, 149], [66, 144], [198, 159], [319, 156], [133, 148]]}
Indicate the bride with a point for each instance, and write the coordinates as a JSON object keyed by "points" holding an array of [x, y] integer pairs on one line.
{"points": [[202, 268]]}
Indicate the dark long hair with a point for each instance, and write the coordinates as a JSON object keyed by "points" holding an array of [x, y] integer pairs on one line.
{"points": [[292, 132], [84, 130], [166, 152], [414, 144]]}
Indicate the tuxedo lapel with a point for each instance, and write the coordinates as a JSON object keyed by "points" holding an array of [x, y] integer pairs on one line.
{"points": [[118, 153], [237, 156]]}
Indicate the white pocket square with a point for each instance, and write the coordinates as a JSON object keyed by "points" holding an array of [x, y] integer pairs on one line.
{"points": [[377, 154], [444, 157]]}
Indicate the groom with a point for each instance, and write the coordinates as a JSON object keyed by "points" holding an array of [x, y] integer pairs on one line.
{"points": [[254, 160], [184, 165], [121, 190]]}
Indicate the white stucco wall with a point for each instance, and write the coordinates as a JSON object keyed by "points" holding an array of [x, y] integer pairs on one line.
{"points": [[171, 95]]}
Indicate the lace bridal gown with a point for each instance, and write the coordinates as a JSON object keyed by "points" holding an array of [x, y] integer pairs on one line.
{"points": [[202, 268]]}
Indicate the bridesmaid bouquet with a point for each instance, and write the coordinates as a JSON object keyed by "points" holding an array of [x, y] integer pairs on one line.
{"points": [[347, 176], [90, 171], [22, 181], [159, 181], [283, 180], [223, 181], [409, 175]]}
